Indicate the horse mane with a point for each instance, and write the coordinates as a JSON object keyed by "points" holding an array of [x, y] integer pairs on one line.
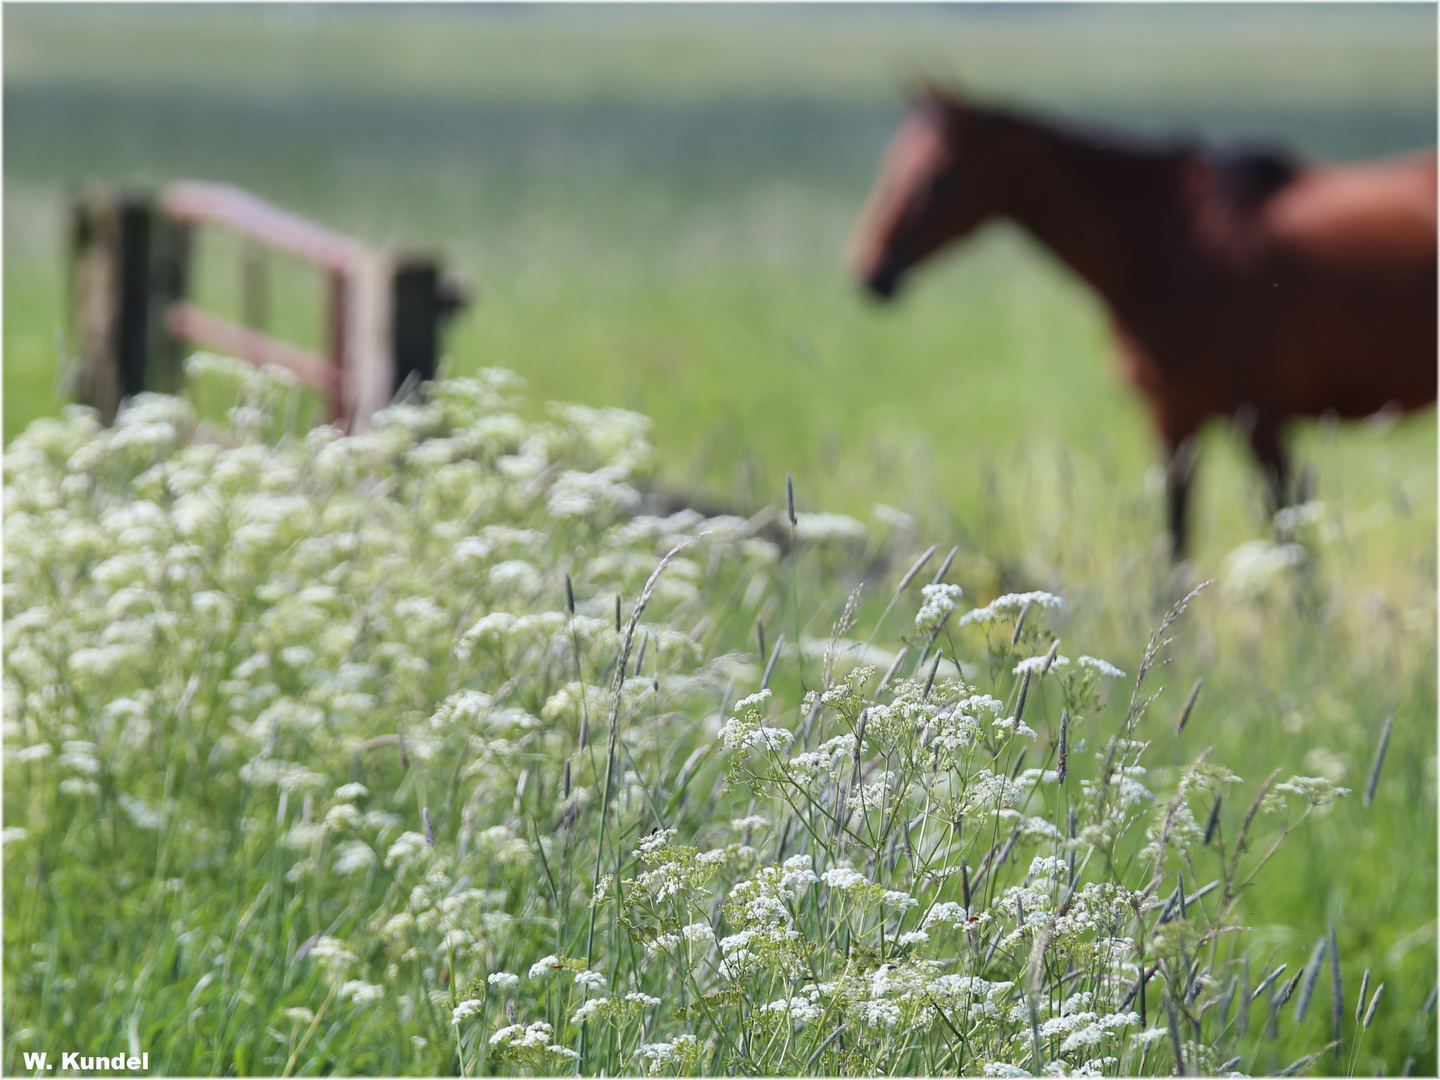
{"points": [[1249, 173]]}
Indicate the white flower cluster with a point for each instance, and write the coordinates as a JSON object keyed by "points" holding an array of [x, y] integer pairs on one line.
{"points": [[392, 659], [1103, 667], [747, 729], [678, 1055], [1010, 602], [940, 601], [844, 878]]}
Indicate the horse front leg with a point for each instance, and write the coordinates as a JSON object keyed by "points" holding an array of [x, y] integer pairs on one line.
{"points": [[1179, 471]]}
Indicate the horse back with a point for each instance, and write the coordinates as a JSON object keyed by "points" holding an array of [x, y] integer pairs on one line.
{"points": [[1377, 217], [1350, 283]]}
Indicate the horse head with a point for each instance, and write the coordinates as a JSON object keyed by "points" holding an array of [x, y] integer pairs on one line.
{"points": [[932, 191]]}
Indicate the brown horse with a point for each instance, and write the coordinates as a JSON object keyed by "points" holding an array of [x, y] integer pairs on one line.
{"points": [[1241, 284]]}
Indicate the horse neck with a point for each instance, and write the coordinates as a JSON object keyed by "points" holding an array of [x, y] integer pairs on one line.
{"points": [[1108, 212]]}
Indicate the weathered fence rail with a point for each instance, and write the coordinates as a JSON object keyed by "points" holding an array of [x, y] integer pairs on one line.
{"points": [[134, 316]]}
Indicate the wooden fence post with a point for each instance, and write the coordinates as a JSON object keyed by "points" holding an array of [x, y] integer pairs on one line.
{"points": [[111, 247], [422, 299]]}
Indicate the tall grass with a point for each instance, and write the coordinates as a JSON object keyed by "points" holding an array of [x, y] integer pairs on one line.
{"points": [[425, 751]]}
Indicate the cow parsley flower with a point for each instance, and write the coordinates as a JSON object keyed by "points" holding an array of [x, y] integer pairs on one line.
{"points": [[409, 847], [501, 1037], [820, 528], [797, 1009], [590, 1008], [1038, 665], [1103, 667], [1002, 605], [940, 601], [881, 1013], [1002, 1068], [844, 878], [354, 856], [360, 993]]}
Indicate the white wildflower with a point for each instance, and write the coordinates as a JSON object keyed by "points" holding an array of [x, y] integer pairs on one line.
{"points": [[1037, 664], [820, 528], [881, 1013], [940, 601], [1256, 566], [588, 1009], [797, 1009], [948, 911], [896, 519], [591, 980], [344, 817], [1104, 667], [1002, 1068], [1001, 605], [353, 856], [735, 941], [797, 874], [411, 845], [331, 954], [359, 992], [1316, 790], [844, 878]]}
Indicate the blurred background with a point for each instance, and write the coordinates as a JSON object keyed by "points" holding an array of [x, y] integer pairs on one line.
{"points": [[652, 203]]}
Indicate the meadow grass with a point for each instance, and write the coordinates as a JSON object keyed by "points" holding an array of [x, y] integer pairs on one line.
{"points": [[403, 752], [680, 258]]}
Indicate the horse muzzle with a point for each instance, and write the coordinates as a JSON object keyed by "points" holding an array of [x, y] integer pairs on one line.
{"points": [[884, 281]]}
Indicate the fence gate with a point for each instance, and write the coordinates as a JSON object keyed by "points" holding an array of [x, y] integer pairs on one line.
{"points": [[133, 316]]}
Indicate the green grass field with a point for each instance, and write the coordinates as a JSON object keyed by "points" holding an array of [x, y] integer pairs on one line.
{"points": [[652, 206]]}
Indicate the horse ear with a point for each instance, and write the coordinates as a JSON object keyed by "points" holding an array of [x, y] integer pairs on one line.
{"points": [[934, 90]]}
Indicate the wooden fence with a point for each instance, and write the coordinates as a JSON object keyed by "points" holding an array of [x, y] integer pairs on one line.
{"points": [[134, 320]]}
